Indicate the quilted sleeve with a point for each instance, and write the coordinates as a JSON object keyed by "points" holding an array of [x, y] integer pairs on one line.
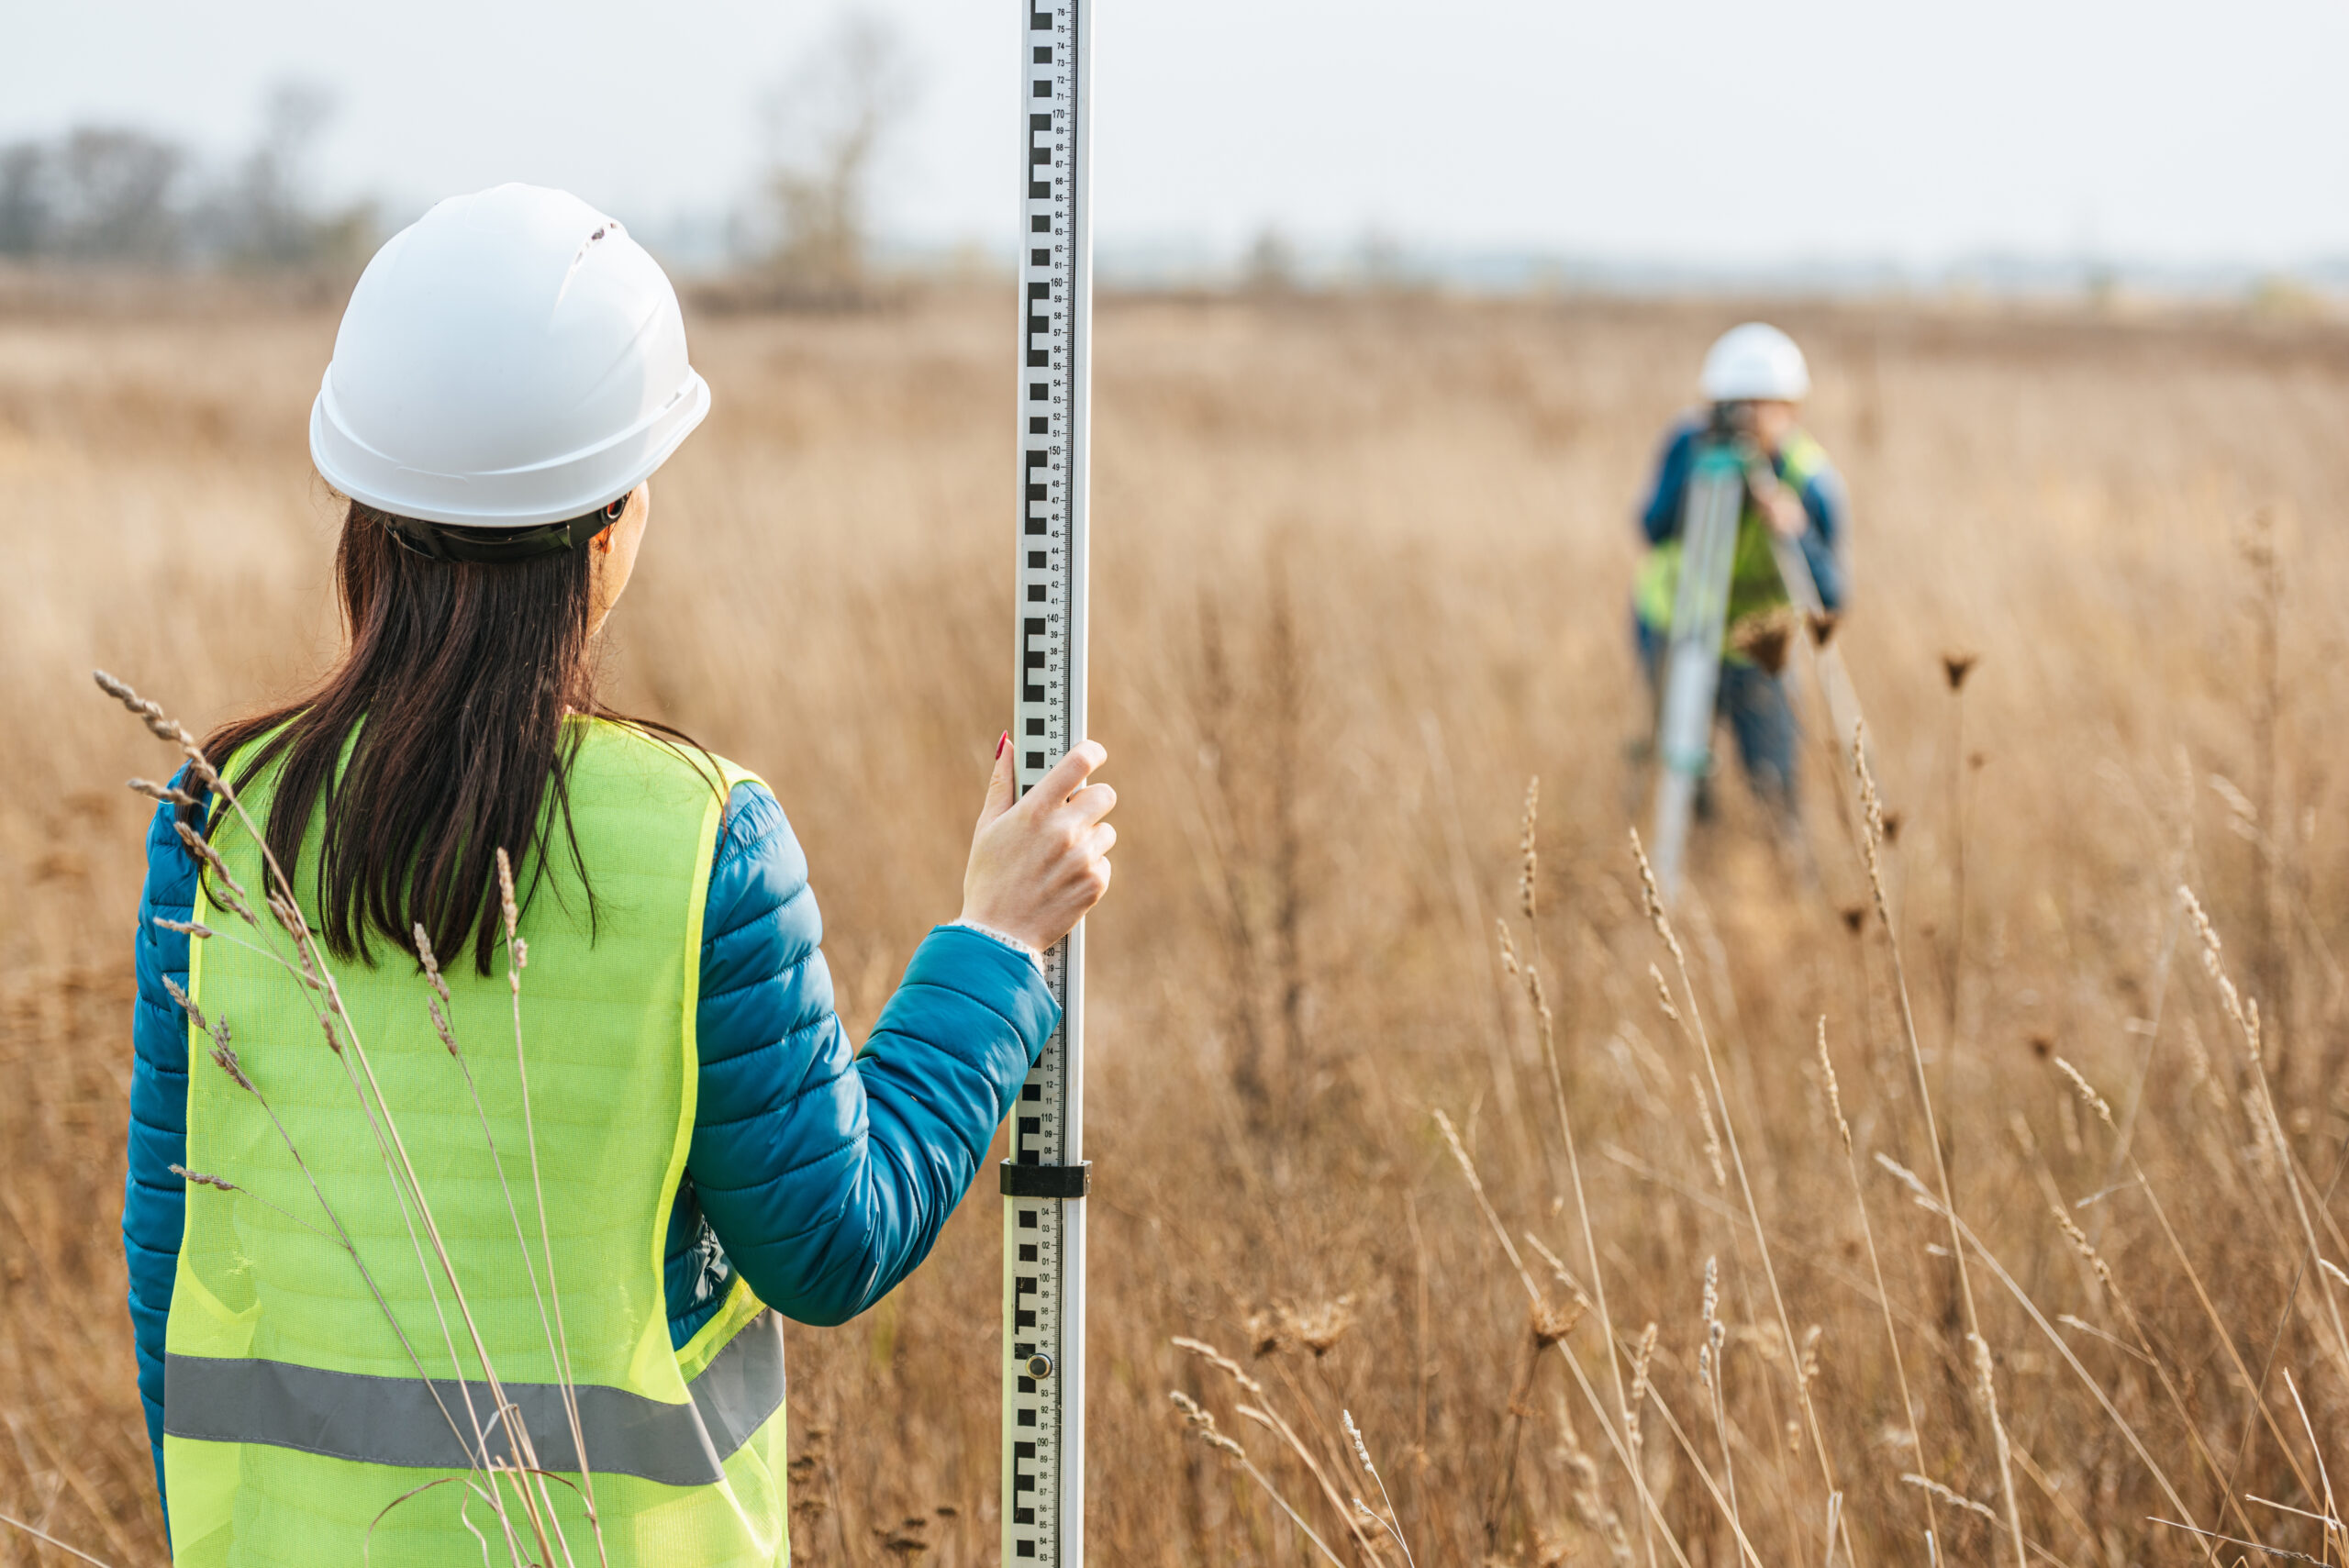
{"points": [[154, 1200], [1823, 543], [1660, 513], [826, 1174]]}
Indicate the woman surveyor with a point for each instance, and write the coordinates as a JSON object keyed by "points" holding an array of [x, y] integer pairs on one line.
{"points": [[676, 1146]]}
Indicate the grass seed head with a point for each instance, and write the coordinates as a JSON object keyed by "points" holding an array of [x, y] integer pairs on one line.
{"points": [[1537, 995], [1590, 1504], [1224, 1363], [1654, 899], [2246, 1018], [169, 794], [150, 713], [1200, 1423], [1955, 1499], [505, 904], [1529, 860], [1712, 1133], [1558, 1269], [186, 1003], [1834, 1091], [1910, 1179], [229, 1063], [198, 846], [1641, 1360], [1985, 1386], [1871, 812], [440, 1025], [291, 919], [1708, 1355], [2082, 1245], [2086, 1093], [1362, 1449], [222, 1053], [424, 955]]}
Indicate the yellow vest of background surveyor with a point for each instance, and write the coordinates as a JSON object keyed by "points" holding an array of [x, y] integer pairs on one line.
{"points": [[1754, 586]]}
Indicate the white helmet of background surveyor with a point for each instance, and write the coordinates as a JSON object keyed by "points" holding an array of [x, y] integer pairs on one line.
{"points": [[1753, 363], [511, 359]]}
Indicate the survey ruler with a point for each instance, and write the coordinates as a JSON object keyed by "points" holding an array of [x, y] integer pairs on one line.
{"points": [[1045, 1179]]}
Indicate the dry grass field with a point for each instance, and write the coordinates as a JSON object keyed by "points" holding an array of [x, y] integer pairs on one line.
{"points": [[1360, 573]]}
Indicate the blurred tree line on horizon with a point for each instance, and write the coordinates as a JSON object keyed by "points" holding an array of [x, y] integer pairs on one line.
{"points": [[116, 196]]}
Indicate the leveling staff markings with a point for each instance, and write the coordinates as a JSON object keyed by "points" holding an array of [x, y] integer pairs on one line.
{"points": [[1043, 1237]]}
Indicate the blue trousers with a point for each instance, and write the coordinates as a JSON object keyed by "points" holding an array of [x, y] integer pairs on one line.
{"points": [[1754, 703]]}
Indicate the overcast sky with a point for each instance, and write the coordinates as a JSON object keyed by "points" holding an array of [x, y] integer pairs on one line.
{"points": [[1700, 131]]}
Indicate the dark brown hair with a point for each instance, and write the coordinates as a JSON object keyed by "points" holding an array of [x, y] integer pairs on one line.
{"points": [[449, 701]]}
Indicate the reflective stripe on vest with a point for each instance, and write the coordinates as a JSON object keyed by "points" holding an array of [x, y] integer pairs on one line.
{"points": [[1755, 584], [409, 1422], [314, 1414]]}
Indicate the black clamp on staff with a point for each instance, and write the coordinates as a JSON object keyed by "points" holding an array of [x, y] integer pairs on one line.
{"points": [[1030, 1180]]}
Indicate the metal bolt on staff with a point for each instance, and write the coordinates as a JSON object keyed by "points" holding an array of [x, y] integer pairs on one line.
{"points": [[1045, 1180]]}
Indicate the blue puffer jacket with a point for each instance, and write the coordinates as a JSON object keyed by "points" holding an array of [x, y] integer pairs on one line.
{"points": [[821, 1175]]}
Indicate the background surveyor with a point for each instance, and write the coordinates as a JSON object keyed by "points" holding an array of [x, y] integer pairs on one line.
{"points": [[712, 1151], [1753, 380]]}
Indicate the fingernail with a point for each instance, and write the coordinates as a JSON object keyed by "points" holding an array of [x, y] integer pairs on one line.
{"points": [[999, 745]]}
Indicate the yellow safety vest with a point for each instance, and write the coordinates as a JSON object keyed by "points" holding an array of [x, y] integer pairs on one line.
{"points": [[301, 1413], [1754, 584]]}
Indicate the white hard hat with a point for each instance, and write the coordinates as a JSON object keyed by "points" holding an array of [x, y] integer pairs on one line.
{"points": [[1752, 363], [511, 359]]}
